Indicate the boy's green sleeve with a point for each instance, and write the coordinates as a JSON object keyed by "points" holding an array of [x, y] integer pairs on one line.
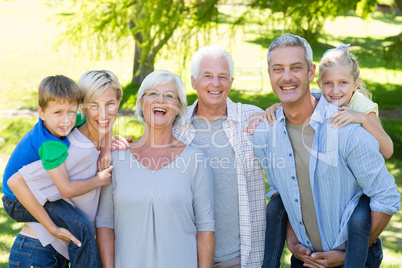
{"points": [[53, 154], [80, 120]]}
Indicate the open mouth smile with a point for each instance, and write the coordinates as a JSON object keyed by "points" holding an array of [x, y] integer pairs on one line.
{"points": [[103, 123], [214, 92], [288, 87], [159, 111]]}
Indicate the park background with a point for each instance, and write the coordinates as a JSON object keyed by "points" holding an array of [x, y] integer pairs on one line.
{"points": [[34, 44]]}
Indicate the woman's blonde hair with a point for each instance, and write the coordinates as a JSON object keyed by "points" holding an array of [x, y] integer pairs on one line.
{"points": [[93, 83]]}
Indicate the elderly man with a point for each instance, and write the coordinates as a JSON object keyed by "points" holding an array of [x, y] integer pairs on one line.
{"points": [[215, 124], [320, 172]]}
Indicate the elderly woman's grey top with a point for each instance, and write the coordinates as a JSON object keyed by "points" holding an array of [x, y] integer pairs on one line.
{"points": [[156, 214]]}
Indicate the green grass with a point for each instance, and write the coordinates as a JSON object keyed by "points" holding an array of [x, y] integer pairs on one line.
{"points": [[30, 56]]}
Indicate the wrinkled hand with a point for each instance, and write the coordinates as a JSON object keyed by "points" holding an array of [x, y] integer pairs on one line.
{"points": [[269, 114], [104, 160], [104, 176], [120, 143], [253, 121], [65, 235], [332, 258], [346, 116]]}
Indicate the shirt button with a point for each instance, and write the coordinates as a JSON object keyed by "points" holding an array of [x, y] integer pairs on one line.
{"points": [[300, 222], [293, 177], [308, 242], [296, 200], [284, 132], [290, 155]]}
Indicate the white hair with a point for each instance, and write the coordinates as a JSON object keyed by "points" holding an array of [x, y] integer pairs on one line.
{"points": [[210, 52], [157, 78]]}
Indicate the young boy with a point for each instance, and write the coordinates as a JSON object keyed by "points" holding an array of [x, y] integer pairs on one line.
{"points": [[58, 98]]}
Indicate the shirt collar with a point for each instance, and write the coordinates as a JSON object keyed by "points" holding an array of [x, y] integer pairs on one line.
{"points": [[323, 110], [230, 106]]}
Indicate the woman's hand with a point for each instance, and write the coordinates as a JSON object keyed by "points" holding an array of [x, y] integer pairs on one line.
{"points": [[64, 234], [120, 143], [269, 114], [253, 121], [346, 116]]}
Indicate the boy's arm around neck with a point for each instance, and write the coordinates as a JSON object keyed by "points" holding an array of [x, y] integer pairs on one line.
{"points": [[69, 188]]}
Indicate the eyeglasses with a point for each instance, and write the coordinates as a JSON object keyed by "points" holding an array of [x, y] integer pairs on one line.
{"points": [[167, 95]]}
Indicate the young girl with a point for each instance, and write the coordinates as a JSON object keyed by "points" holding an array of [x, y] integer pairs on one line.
{"points": [[340, 83]]}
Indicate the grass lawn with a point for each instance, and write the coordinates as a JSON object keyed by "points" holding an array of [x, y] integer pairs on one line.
{"points": [[30, 56]]}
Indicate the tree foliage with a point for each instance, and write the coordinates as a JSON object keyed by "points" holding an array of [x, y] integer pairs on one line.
{"points": [[106, 25], [307, 17], [151, 23]]}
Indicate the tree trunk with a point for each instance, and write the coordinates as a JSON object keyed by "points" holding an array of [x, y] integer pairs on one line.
{"points": [[399, 4], [140, 71]]}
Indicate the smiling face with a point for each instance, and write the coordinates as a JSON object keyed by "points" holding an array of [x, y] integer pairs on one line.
{"points": [[102, 112], [160, 105], [338, 85], [213, 83], [289, 74], [59, 117]]}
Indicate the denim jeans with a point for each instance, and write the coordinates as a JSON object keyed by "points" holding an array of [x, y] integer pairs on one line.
{"points": [[275, 233], [374, 257], [359, 227], [28, 252], [66, 216]]}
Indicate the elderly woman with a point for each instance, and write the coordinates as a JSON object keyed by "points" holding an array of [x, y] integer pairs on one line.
{"points": [[32, 185], [158, 210]]}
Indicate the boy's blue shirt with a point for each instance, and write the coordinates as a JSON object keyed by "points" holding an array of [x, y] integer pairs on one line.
{"points": [[37, 144]]}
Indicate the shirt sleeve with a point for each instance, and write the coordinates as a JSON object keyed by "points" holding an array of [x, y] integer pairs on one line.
{"points": [[80, 120], [368, 167], [260, 143], [53, 154], [105, 214], [203, 197]]}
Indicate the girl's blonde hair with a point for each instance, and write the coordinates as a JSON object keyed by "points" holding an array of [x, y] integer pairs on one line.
{"points": [[341, 56]]}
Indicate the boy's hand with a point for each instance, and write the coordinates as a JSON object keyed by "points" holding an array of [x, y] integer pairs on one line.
{"points": [[269, 114], [346, 116], [65, 235], [120, 143], [104, 176], [253, 121], [104, 160]]}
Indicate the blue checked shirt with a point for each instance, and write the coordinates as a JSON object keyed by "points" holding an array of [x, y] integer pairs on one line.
{"points": [[250, 177], [344, 164]]}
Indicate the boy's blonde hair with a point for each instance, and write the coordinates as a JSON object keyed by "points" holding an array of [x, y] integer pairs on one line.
{"points": [[58, 88], [345, 59]]}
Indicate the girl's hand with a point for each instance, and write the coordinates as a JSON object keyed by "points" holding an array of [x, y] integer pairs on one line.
{"points": [[253, 121], [269, 114], [120, 143], [346, 116]]}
